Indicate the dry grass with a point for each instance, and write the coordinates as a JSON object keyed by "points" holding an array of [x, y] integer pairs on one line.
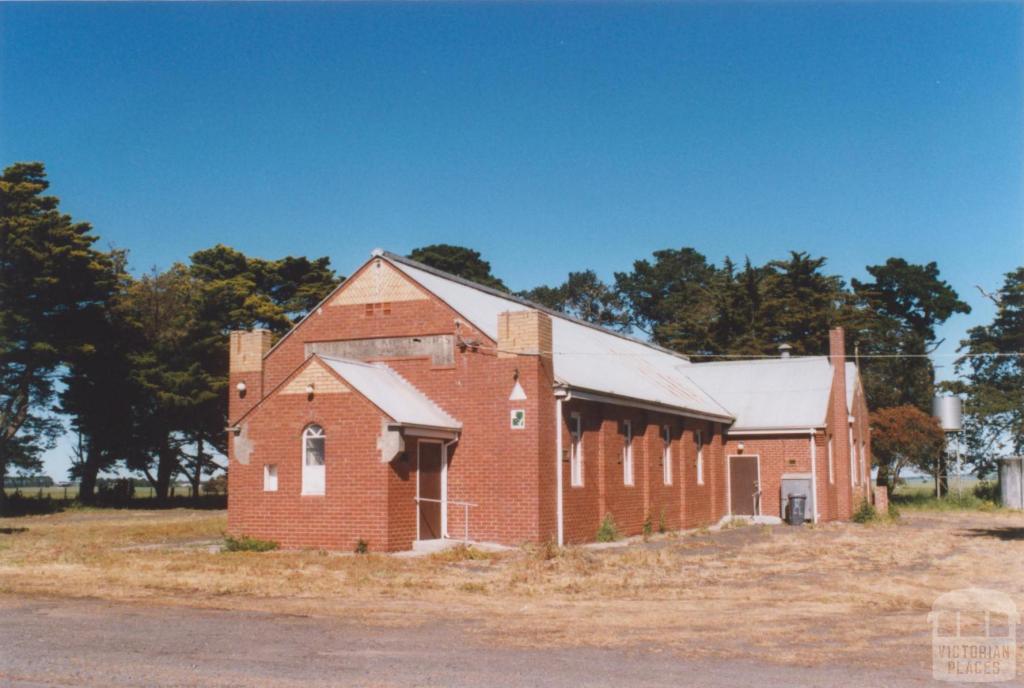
{"points": [[861, 592]]}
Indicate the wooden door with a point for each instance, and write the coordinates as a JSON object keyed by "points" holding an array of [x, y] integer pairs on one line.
{"points": [[429, 476], [743, 485]]}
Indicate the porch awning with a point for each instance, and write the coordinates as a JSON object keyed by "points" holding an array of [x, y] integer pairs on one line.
{"points": [[393, 394]]}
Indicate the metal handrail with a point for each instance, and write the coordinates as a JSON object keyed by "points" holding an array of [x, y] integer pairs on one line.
{"points": [[465, 512]]}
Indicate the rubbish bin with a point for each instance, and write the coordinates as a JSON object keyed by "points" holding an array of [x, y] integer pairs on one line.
{"points": [[797, 506]]}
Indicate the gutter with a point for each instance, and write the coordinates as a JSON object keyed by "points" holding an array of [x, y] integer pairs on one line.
{"points": [[561, 395], [649, 406], [771, 431], [814, 475], [429, 431]]}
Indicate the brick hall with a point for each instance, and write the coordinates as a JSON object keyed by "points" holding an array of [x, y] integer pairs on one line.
{"points": [[411, 407]]}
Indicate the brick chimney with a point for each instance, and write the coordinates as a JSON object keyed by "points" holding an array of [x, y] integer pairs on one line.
{"points": [[840, 422], [524, 333], [245, 367], [525, 359]]}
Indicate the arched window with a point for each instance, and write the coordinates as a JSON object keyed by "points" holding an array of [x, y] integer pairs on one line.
{"points": [[313, 439]]}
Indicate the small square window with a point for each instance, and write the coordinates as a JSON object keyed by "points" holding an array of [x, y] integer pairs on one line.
{"points": [[270, 477]]}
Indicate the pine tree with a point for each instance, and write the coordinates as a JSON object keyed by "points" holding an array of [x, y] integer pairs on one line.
{"points": [[52, 283]]}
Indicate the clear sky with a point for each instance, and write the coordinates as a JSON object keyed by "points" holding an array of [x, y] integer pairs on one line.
{"points": [[549, 137]]}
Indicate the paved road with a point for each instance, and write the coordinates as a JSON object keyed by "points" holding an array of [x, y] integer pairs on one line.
{"points": [[57, 642]]}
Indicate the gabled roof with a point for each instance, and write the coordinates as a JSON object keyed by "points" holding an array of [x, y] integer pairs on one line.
{"points": [[776, 393], [585, 356], [392, 393]]}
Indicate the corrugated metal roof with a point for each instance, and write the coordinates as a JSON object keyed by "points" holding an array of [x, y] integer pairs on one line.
{"points": [[392, 393], [775, 393], [585, 356], [852, 382], [769, 393]]}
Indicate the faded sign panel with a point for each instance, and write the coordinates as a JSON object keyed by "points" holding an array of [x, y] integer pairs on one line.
{"points": [[440, 348]]}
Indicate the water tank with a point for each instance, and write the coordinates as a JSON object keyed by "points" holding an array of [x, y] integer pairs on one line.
{"points": [[948, 412]]}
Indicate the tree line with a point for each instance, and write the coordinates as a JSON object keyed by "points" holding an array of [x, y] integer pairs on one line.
{"points": [[137, 366]]}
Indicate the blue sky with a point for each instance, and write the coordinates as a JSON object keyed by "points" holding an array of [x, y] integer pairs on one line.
{"points": [[549, 137]]}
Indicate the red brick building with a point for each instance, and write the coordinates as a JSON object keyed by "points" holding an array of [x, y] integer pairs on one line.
{"points": [[412, 406]]}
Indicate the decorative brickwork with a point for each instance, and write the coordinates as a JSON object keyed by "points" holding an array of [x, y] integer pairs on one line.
{"points": [[322, 380], [378, 283], [524, 332]]}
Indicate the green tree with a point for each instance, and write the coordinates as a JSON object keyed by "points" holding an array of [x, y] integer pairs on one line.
{"points": [[98, 394], [904, 436], [672, 299], [739, 325], [161, 309], [692, 306], [584, 296], [52, 282], [904, 303], [801, 303], [993, 380], [459, 261], [184, 316]]}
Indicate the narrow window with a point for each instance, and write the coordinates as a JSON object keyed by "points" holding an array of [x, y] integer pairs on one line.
{"points": [[853, 467], [666, 455], [627, 453], [831, 469], [270, 477], [313, 460], [700, 457], [576, 451], [862, 475]]}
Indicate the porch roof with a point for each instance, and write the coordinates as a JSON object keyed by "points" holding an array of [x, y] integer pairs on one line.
{"points": [[392, 394]]}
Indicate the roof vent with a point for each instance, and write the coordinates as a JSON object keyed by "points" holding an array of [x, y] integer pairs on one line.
{"points": [[784, 350]]}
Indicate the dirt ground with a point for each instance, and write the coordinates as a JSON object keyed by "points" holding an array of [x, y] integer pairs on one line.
{"points": [[61, 642], [150, 596]]}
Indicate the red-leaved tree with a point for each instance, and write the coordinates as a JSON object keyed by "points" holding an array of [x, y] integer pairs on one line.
{"points": [[905, 436]]}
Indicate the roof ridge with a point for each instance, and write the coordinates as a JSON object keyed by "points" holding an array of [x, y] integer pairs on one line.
{"points": [[772, 359], [508, 296]]}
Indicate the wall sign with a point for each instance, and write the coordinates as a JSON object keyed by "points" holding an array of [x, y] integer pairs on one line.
{"points": [[518, 419]]}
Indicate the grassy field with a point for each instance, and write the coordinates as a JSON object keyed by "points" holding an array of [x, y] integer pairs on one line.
{"points": [[970, 495], [851, 589]]}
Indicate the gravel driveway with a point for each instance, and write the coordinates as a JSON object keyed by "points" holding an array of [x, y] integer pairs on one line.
{"points": [[65, 642]]}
